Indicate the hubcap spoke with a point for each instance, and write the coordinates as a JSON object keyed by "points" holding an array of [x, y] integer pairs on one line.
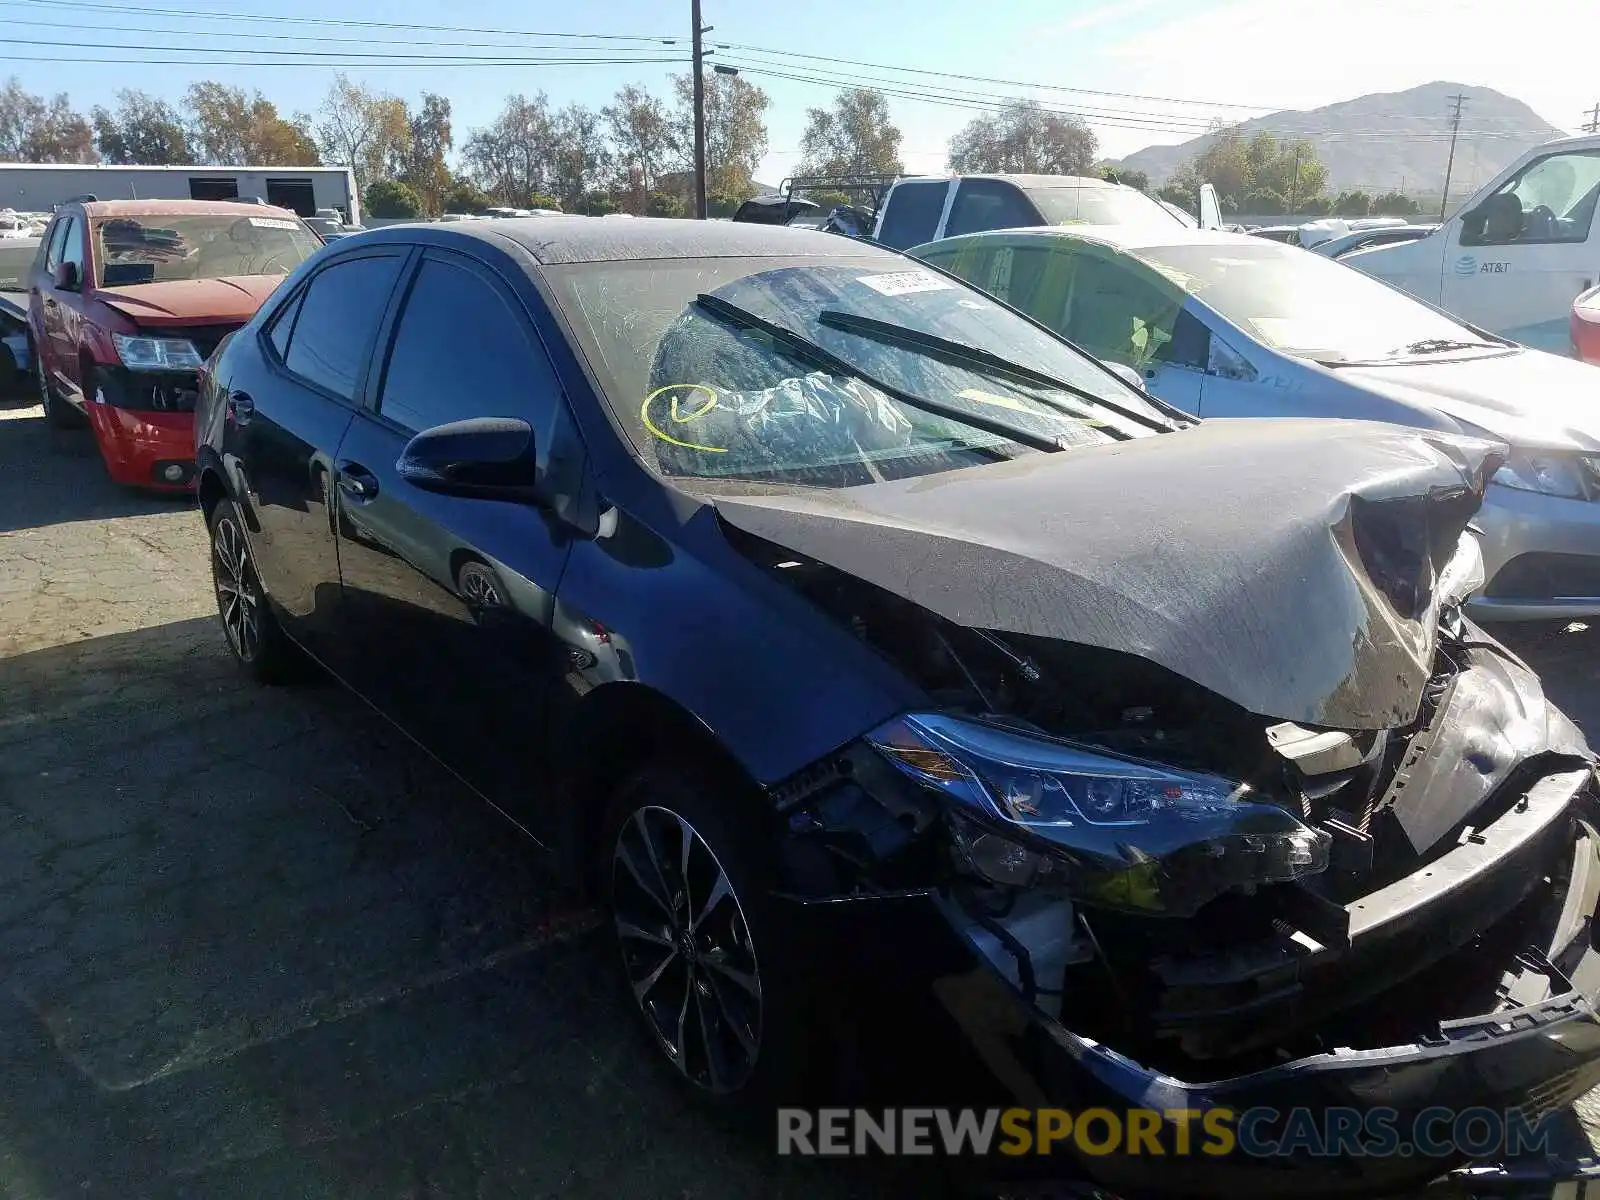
{"points": [[643, 987], [660, 867], [719, 892], [628, 929]]}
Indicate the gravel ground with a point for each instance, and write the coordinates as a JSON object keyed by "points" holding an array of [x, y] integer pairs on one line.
{"points": [[253, 944]]}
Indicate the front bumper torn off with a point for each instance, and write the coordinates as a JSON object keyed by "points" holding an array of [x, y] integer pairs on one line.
{"points": [[1534, 1053]]}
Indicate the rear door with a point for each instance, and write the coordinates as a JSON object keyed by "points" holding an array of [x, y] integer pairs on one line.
{"points": [[1521, 256], [288, 406], [449, 600], [912, 212]]}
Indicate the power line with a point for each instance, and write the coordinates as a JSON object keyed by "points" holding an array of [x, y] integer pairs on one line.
{"points": [[96, 26], [122, 9], [455, 60], [1052, 87], [251, 62], [1126, 119]]}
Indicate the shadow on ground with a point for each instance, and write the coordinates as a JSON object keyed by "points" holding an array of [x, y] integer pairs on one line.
{"points": [[49, 476], [254, 944]]}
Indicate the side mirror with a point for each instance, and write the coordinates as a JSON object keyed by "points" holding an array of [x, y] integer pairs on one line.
{"points": [[66, 279], [490, 458]]}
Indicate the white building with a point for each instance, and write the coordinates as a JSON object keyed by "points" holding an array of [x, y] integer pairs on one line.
{"points": [[35, 187]]}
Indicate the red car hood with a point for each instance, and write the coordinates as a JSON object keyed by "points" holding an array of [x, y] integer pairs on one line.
{"points": [[193, 301]]}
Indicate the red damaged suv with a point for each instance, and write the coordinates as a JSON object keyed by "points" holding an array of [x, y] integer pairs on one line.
{"points": [[126, 301]]}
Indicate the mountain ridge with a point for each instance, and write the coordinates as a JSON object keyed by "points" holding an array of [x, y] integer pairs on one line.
{"points": [[1390, 141]]}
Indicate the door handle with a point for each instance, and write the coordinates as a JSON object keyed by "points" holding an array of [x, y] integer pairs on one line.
{"points": [[241, 407], [356, 481]]}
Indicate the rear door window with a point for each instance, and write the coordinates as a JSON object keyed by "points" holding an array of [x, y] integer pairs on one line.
{"points": [[989, 204], [913, 212], [339, 314]]}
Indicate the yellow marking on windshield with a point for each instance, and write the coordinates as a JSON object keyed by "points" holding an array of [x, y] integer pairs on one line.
{"points": [[644, 415]]}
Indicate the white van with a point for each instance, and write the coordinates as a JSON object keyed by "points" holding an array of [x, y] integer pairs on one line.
{"points": [[1516, 255]]}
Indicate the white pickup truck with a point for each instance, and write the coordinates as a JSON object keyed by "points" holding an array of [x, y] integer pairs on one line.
{"points": [[1517, 254]]}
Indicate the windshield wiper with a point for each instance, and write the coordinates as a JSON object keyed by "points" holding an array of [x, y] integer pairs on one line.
{"points": [[828, 361], [989, 361]]}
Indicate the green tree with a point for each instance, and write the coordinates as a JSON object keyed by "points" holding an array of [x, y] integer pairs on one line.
{"points": [[1354, 203], [581, 155], [33, 129], [1291, 169], [1184, 195], [664, 204], [735, 130], [1395, 204], [1025, 138], [361, 129], [511, 157], [463, 196], [1224, 164], [422, 163], [599, 204], [142, 130], [641, 136], [391, 198], [1136, 179], [1317, 206], [230, 127], [853, 137], [1264, 202]]}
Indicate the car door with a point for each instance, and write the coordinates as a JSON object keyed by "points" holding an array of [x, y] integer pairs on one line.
{"points": [[983, 204], [287, 409], [448, 599], [912, 212], [53, 347], [1519, 258]]}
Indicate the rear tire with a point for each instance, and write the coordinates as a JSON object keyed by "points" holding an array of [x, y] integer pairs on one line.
{"points": [[57, 411], [710, 962], [256, 640]]}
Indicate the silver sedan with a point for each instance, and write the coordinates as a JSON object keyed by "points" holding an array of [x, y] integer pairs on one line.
{"points": [[1227, 325]]}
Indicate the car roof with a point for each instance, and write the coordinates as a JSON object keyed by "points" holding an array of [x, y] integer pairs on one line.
{"points": [[1133, 237], [554, 241], [1022, 181], [179, 208]]}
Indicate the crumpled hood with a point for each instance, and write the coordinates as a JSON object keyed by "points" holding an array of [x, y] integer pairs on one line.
{"points": [[1528, 398], [193, 301], [1286, 565]]}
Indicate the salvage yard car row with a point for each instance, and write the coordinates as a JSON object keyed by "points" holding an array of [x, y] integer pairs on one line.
{"points": [[857, 635]]}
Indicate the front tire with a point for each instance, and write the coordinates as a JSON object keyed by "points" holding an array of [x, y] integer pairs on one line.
{"points": [[59, 413], [706, 954], [254, 637]]}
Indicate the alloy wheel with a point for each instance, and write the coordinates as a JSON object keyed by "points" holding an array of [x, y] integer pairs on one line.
{"points": [[237, 598], [478, 587], [686, 949]]}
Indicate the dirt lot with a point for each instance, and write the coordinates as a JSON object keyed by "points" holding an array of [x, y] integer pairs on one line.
{"points": [[253, 944]]}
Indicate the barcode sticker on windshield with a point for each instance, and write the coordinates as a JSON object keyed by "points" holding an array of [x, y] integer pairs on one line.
{"points": [[273, 223], [904, 283]]}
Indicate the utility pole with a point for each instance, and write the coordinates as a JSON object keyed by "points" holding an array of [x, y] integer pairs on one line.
{"points": [[1294, 182], [699, 112], [1455, 128], [1593, 124]]}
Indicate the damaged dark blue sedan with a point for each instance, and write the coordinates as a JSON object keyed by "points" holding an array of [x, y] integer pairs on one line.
{"points": [[834, 621]]}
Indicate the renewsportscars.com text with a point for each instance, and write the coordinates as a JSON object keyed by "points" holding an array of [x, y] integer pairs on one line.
{"points": [[1216, 1132]]}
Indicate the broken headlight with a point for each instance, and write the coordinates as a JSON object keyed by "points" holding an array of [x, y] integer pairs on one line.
{"points": [[1027, 810], [156, 354]]}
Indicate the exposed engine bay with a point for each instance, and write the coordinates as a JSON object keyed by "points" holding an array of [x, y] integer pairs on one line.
{"points": [[1257, 972]]}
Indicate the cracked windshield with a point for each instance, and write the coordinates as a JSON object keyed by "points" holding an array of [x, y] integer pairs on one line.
{"points": [[704, 600]]}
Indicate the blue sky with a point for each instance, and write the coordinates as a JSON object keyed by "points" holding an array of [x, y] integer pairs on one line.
{"points": [[1202, 58]]}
